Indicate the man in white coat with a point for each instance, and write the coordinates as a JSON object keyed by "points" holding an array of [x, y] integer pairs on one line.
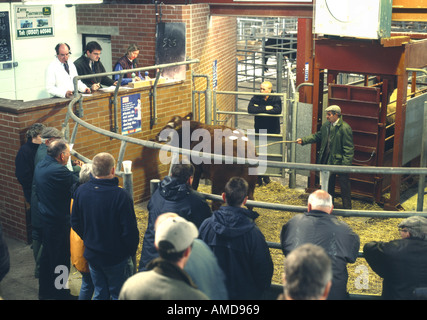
{"points": [[60, 74]]}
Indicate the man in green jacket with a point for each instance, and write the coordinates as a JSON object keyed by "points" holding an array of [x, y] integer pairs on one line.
{"points": [[336, 148]]}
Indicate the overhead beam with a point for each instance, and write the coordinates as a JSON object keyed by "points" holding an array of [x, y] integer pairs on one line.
{"points": [[262, 10], [403, 10]]}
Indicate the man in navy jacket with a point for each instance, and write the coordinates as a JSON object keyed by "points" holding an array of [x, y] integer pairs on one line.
{"points": [[266, 104], [53, 181], [174, 194], [24, 161], [103, 216], [239, 245]]}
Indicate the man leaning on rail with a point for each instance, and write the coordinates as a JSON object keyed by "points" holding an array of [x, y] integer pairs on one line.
{"points": [[90, 63], [402, 263], [60, 74], [320, 227]]}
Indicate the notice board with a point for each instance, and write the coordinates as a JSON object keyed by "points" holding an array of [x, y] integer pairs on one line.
{"points": [[170, 48], [5, 46]]}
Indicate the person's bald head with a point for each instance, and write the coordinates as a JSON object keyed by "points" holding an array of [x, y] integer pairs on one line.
{"points": [[320, 200]]}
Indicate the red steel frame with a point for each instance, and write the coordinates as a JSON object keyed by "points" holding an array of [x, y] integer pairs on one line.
{"points": [[370, 58]]}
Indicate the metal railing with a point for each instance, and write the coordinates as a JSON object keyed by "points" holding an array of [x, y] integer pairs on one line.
{"points": [[121, 73], [323, 169]]}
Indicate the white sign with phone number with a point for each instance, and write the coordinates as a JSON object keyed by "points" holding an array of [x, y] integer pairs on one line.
{"points": [[34, 21]]}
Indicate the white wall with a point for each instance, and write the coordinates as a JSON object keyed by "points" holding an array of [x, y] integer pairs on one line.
{"points": [[33, 55]]}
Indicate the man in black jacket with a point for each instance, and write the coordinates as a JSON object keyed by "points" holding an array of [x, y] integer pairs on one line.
{"points": [[103, 215], [401, 263], [53, 182], [24, 161], [174, 194], [266, 104], [319, 227], [90, 63]]}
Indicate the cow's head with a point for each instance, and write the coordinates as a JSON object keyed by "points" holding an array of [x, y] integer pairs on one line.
{"points": [[173, 124]]}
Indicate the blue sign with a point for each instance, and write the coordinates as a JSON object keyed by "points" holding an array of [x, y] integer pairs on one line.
{"points": [[131, 113], [306, 72]]}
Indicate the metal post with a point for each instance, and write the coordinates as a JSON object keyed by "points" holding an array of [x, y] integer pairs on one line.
{"points": [[236, 97], [214, 108], [208, 102], [116, 92], [279, 72], [73, 134], [324, 179], [153, 94], [121, 154], [128, 183], [292, 177], [193, 95], [423, 163], [262, 60], [154, 183], [285, 115]]}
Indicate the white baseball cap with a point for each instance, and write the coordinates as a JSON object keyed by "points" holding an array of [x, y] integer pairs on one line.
{"points": [[179, 232]]}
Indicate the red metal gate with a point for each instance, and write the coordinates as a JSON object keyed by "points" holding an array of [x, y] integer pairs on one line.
{"points": [[361, 109]]}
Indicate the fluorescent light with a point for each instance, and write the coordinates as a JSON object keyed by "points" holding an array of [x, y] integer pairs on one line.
{"points": [[52, 2]]}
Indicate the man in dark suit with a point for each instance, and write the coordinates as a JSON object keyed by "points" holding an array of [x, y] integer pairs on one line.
{"points": [[174, 194], [90, 63], [54, 183]]}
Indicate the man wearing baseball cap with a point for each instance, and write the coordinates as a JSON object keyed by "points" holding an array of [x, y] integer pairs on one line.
{"points": [[165, 278], [336, 148]]}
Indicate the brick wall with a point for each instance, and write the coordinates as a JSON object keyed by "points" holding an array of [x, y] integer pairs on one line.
{"points": [[206, 40], [137, 25], [12, 203]]}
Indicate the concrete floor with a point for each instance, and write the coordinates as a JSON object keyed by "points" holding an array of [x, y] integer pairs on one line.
{"points": [[20, 283]]}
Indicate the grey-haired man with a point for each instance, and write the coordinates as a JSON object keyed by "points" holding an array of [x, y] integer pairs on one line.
{"points": [[48, 135], [402, 263]]}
